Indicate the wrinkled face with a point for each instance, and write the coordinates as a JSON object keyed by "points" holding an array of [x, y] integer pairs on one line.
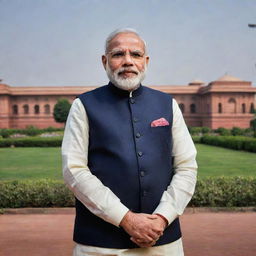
{"points": [[125, 60]]}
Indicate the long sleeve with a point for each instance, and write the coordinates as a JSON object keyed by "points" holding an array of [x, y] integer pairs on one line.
{"points": [[179, 192], [99, 199]]}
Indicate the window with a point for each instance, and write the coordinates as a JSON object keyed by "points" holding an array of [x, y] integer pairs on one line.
{"points": [[15, 109], [231, 106], [193, 108], [243, 108], [182, 108], [26, 109], [219, 108], [36, 109], [47, 109], [252, 108]]}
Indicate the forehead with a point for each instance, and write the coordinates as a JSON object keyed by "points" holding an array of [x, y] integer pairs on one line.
{"points": [[126, 41]]}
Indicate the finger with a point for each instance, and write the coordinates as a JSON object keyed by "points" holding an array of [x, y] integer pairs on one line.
{"points": [[153, 235], [140, 244], [146, 245], [152, 217], [158, 231]]}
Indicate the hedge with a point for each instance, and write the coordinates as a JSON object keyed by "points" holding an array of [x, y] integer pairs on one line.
{"points": [[30, 131], [211, 192], [232, 142], [31, 142], [225, 192], [40, 193]]}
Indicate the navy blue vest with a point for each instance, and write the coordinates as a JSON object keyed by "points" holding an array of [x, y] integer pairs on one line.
{"points": [[129, 156]]}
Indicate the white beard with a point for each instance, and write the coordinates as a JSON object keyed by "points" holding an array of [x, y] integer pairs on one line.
{"points": [[128, 84]]}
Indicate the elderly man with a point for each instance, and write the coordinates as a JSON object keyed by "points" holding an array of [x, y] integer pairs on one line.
{"points": [[129, 160]]}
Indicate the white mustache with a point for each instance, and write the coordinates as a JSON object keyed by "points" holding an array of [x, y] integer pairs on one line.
{"points": [[123, 70]]}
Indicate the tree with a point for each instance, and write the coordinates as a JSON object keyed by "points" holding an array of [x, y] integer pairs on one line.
{"points": [[253, 123], [61, 110]]}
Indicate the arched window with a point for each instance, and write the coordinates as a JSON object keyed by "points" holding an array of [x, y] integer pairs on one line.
{"points": [[26, 109], [47, 109], [192, 108], [15, 109], [36, 109], [219, 108], [231, 106], [243, 108], [252, 108], [182, 107]]}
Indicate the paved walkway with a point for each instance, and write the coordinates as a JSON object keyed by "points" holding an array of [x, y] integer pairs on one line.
{"points": [[204, 234]]}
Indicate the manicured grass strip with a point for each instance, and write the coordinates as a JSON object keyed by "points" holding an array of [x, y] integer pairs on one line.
{"points": [[30, 163], [37, 163], [216, 161]]}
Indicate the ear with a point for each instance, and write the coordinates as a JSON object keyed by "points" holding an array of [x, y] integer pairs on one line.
{"points": [[147, 60], [104, 61]]}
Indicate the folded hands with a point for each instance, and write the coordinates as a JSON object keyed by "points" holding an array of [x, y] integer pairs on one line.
{"points": [[144, 229]]}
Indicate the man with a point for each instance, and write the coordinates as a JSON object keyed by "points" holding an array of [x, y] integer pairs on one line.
{"points": [[129, 159]]}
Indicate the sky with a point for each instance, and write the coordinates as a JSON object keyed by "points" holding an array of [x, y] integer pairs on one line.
{"points": [[60, 42]]}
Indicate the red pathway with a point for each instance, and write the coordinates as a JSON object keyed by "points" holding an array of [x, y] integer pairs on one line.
{"points": [[204, 234]]}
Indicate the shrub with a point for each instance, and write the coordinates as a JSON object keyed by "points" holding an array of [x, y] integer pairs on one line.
{"points": [[206, 130], [40, 193], [5, 133], [196, 139], [32, 131], [223, 131], [31, 142], [225, 192], [235, 131], [232, 142]]}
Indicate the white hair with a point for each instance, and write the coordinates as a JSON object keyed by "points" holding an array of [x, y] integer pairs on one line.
{"points": [[123, 30]]}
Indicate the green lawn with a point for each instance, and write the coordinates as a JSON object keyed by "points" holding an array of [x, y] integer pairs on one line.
{"points": [[216, 161], [30, 163], [35, 163]]}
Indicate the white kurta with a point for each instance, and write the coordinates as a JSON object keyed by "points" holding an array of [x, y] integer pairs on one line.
{"points": [[101, 201]]}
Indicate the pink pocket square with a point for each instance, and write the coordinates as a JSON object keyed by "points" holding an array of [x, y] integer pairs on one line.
{"points": [[159, 122]]}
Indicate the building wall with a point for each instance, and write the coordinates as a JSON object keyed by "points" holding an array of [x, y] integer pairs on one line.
{"points": [[219, 104]]}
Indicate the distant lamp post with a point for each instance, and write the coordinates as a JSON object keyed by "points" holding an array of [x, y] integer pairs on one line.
{"points": [[252, 25]]}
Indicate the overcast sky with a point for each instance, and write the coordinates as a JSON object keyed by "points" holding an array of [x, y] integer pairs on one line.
{"points": [[60, 42]]}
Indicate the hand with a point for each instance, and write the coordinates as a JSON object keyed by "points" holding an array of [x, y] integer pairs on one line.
{"points": [[159, 224], [141, 226]]}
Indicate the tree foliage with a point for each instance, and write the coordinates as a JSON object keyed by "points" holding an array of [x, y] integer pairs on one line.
{"points": [[253, 123], [61, 110]]}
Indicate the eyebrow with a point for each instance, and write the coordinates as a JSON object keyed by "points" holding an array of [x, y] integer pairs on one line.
{"points": [[121, 50]]}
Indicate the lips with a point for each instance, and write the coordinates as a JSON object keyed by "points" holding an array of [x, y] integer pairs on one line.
{"points": [[127, 72]]}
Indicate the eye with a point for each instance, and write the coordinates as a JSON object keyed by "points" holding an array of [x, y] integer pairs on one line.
{"points": [[118, 54], [137, 54]]}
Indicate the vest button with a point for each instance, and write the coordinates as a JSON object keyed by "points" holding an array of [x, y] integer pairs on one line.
{"points": [[142, 173], [138, 135], [135, 120], [140, 153], [144, 193], [132, 100]]}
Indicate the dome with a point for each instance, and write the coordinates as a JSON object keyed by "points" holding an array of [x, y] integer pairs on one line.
{"points": [[196, 82], [228, 78]]}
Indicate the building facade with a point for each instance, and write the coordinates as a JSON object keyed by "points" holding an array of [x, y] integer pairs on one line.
{"points": [[226, 102]]}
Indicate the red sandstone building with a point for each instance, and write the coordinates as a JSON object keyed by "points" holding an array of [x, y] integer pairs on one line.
{"points": [[226, 102]]}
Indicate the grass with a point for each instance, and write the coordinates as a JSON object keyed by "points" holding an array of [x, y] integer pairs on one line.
{"points": [[30, 163], [216, 161], [36, 163]]}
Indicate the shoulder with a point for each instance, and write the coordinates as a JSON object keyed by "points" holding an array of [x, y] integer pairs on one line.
{"points": [[93, 92], [157, 92]]}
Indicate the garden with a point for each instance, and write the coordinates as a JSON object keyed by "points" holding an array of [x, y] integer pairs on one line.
{"points": [[31, 173]]}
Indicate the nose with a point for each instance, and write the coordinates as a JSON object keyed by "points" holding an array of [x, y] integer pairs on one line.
{"points": [[127, 60]]}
